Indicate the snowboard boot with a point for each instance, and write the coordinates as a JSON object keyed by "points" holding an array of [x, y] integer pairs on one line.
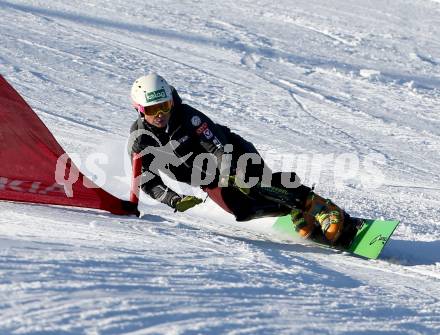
{"points": [[304, 223], [329, 216]]}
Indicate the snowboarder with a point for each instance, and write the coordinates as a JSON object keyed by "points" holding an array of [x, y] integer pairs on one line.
{"points": [[179, 140]]}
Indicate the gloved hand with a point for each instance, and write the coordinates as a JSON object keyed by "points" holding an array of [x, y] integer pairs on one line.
{"points": [[232, 182], [186, 203], [131, 207]]}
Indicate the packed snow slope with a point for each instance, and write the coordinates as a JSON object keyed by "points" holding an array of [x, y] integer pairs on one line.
{"points": [[312, 83]]}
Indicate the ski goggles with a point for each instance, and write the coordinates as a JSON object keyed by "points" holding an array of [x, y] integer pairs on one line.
{"points": [[163, 107]]}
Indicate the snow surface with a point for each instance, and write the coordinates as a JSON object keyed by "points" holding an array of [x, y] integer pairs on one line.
{"points": [[309, 82]]}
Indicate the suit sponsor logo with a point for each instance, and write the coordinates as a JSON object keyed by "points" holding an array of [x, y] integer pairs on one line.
{"points": [[217, 143], [196, 121], [208, 133], [183, 139], [202, 128]]}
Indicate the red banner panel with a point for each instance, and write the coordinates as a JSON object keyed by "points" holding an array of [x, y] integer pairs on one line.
{"points": [[29, 155]]}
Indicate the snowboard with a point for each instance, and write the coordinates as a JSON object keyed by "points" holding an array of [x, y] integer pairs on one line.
{"points": [[361, 237]]}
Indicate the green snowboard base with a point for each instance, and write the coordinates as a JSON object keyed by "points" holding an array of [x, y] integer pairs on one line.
{"points": [[368, 241]]}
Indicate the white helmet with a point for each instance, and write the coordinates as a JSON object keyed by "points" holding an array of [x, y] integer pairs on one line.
{"points": [[150, 90]]}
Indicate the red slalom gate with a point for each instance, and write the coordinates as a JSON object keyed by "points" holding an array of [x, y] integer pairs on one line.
{"points": [[29, 155]]}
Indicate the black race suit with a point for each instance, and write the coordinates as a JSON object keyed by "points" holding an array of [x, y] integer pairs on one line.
{"points": [[173, 150]]}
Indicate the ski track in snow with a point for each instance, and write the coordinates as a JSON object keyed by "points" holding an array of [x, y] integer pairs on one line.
{"points": [[314, 77]]}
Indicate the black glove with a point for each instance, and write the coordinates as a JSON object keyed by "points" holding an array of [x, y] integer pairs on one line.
{"points": [[233, 182], [130, 207]]}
